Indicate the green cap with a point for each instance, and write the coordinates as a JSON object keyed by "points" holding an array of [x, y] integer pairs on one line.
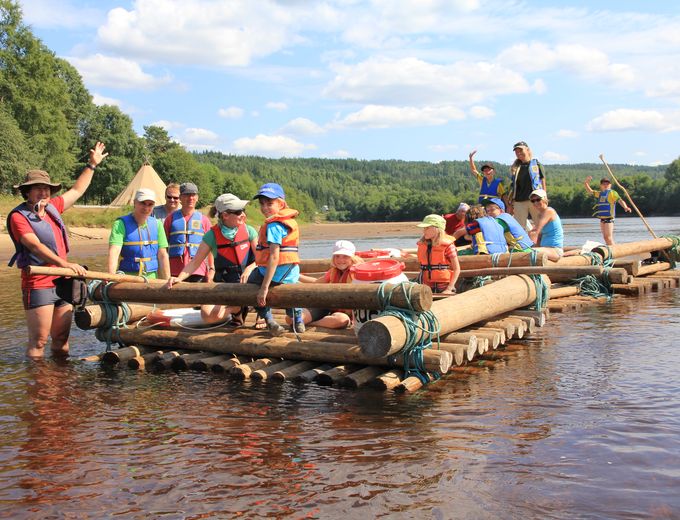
{"points": [[433, 220]]}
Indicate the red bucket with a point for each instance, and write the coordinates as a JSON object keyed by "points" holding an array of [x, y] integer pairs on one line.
{"points": [[377, 270]]}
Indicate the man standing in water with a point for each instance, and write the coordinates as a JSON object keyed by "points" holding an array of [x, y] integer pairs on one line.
{"points": [[605, 209], [527, 176], [40, 238]]}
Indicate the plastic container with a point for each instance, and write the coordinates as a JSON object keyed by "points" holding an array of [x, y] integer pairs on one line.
{"points": [[374, 253], [377, 271]]}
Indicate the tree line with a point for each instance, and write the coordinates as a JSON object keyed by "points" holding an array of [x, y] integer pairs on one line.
{"points": [[48, 120]]}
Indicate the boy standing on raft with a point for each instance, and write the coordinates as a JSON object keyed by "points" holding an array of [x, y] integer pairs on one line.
{"points": [[488, 186], [605, 209], [276, 255], [40, 238]]}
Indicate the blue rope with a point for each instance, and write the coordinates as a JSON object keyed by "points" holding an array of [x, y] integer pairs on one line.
{"points": [[423, 325], [674, 250], [116, 315], [542, 292]]}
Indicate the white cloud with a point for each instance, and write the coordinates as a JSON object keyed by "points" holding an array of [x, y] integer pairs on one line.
{"points": [[302, 126], [579, 60], [381, 116], [59, 13], [214, 34], [168, 125], [630, 119], [100, 100], [197, 135], [567, 134], [554, 157], [277, 105], [480, 112], [270, 146], [230, 112], [411, 81], [340, 154], [108, 71]]}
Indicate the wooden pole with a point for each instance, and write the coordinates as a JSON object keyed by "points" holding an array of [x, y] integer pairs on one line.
{"points": [[633, 248], [630, 199], [184, 361], [228, 343], [122, 355], [264, 373], [292, 371], [93, 316], [311, 374], [387, 335], [335, 375], [321, 296], [466, 262], [553, 271], [89, 275], [361, 377], [388, 380], [653, 268]]}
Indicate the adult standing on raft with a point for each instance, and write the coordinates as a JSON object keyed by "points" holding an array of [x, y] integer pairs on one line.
{"points": [[137, 243], [40, 238], [527, 176], [605, 209]]}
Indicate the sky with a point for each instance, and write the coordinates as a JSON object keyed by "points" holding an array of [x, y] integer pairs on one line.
{"points": [[417, 80]]}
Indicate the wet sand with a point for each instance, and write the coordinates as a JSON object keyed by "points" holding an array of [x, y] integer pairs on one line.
{"points": [[93, 241]]}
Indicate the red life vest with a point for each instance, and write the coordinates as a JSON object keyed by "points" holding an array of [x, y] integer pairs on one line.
{"points": [[288, 250], [232, 254], [435, 268]]}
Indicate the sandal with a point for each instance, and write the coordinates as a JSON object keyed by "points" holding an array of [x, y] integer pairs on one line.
{"points": [[260, 324]]}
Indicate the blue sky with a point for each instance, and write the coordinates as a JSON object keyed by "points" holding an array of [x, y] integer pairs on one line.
{"points": [[384, 79]]}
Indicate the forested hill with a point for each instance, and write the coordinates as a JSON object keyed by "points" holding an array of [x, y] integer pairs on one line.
{"points": [[407, 190]]}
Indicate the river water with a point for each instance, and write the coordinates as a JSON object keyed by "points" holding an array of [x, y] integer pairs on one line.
{"points": [[584, 422]]}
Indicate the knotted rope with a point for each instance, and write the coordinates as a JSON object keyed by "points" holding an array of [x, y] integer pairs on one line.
{"points": [[116, 315]]}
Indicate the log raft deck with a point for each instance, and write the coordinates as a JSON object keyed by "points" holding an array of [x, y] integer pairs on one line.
{"points": [[477, 328]]}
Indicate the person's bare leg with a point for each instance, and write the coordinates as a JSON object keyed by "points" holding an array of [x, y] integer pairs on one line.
{"points": [[39, 323], [61, 329], [337, 320], [607, 229]]}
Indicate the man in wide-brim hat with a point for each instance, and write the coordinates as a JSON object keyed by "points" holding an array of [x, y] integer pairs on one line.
{"points": [[40, 238]]}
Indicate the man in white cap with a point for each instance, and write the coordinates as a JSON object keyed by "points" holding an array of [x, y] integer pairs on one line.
{"points": [[455, 224], [40, 238], [137, 244]]}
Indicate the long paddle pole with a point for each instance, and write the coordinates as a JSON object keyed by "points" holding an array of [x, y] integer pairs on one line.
{"points": [[630, 199]]}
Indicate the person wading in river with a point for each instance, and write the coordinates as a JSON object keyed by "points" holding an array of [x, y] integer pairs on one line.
{"points": [[40, 238]]}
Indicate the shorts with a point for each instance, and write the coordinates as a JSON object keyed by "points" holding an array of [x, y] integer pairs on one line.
{"points": [[607, 220], [34, 298]]}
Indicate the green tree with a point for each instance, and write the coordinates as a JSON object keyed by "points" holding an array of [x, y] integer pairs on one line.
{"points": [[15, 155]]}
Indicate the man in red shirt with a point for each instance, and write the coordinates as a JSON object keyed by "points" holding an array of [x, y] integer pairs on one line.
{"points": [[455, 224], [40, 238]]}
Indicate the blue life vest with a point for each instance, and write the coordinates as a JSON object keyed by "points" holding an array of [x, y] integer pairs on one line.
{"points": [[490, 239], [42, 229], [517, 237], [139, 253], [489, 191], [552, 234], [604, 208], [185, 234], [534, 175]]}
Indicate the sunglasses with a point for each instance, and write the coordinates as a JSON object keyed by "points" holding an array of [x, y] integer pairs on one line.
{"points": [[234, 211], [535, 200], [170, 197]]}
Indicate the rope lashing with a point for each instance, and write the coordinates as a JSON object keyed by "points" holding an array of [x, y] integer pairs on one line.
{"points": [[421, 328], [589, 285], [542, 292], [116, 315]]}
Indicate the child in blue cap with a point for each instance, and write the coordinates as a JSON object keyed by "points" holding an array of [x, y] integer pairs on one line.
{"points": [[276, 254]]}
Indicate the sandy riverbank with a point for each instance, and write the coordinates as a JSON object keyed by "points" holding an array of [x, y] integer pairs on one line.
{"points": [[89, 241]]}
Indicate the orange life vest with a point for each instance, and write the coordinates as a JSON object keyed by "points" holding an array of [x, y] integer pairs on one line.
{"points": [[435, 268], [335, 275], [288, 251]]}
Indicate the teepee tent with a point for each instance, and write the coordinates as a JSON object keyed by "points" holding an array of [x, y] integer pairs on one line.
{"points": [[146, 177]]}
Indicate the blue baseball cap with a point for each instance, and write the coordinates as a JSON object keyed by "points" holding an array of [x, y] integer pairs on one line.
{"points": [[498, 202], [271, 190]]}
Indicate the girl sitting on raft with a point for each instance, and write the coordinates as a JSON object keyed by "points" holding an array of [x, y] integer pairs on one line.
{"points": [[547, 233], [342, 259], [438, 257]]}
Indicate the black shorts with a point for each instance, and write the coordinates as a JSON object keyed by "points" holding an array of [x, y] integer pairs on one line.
{"points": [[34, 298], [607, 220]]}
